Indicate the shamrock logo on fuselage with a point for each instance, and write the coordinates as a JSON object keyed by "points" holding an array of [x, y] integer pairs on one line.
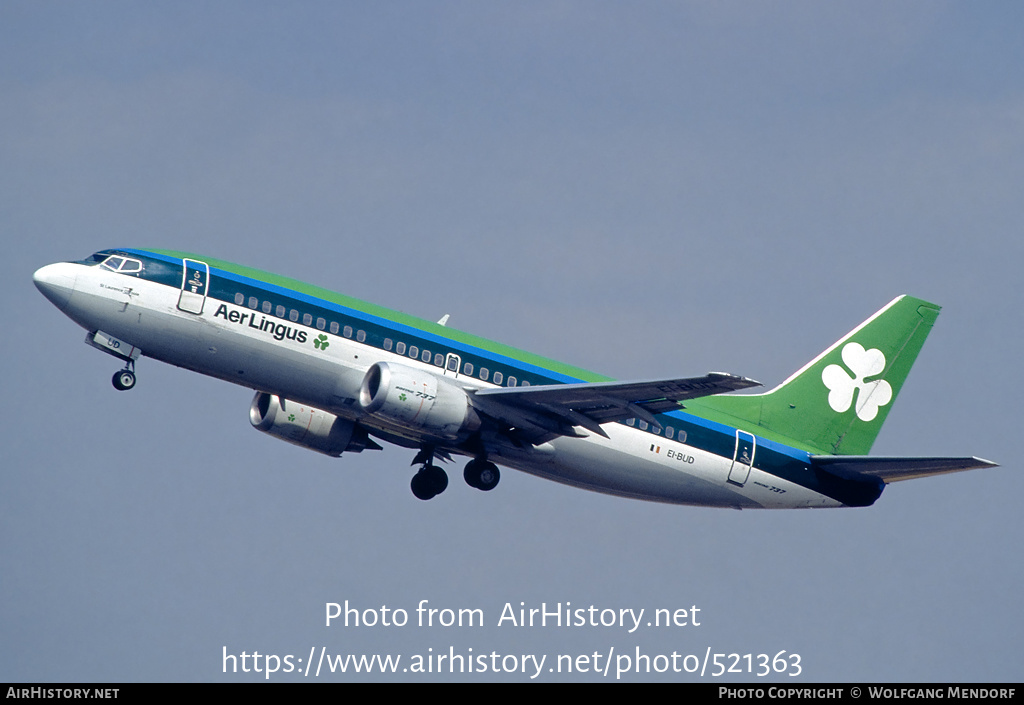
{"points": [[842, 387], [321, 342]]}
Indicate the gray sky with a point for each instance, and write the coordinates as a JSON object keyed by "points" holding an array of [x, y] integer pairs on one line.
{"points": [[641, 189]]}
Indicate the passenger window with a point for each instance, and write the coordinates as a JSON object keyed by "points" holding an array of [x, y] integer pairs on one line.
{"points": [[307, 319], [334, 327], [293, 315], [484, 374], [239, 298], [498, 377], [467, 368], [388, 343], [321, 323], [279, 311], [253, 302], [347, 331], [682, 436], [511, 382], [643, 425], [631, 422], [439, 361], [361, 336], [414, 352], [400, 348], [425, 356], [525, 384], [267, 306], [670, 432]]}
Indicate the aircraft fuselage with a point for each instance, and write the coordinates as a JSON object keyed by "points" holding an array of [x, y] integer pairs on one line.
{"points": [[301, 346]]}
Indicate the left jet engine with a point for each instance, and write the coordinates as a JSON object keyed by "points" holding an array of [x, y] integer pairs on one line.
{"points": [[307, 426], [417, 401]]}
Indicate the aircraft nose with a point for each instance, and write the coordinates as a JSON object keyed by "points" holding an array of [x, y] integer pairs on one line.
{"points": [[56, 282]]}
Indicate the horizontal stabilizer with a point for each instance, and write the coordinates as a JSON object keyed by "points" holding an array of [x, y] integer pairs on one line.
{"points": [[892, 469]]}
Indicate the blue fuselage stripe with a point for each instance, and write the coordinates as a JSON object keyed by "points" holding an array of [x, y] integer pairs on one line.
{"points": [[780, 459]]}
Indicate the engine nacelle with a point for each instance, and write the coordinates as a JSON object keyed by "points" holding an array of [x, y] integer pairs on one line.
{"points": [[307, 426], [417, 400]]}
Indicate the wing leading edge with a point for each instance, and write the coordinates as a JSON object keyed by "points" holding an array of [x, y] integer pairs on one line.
{"points": [[560, 408]]}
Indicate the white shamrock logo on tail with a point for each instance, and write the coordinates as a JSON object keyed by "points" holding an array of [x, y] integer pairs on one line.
{"points": [[863, 363]]}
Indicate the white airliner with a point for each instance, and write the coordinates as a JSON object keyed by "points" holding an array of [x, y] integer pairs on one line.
{"points": [[332, 374]]}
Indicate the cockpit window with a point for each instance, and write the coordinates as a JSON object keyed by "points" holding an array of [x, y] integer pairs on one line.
{"points": [[124, 265], [112, 263]]}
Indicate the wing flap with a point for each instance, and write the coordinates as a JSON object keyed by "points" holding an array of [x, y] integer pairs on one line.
{"points": [[893, 469], [588, 405]]}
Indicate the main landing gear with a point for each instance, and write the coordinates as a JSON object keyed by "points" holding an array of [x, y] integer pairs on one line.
{"points": [[481, 474], [124, 379], [431, 480]]}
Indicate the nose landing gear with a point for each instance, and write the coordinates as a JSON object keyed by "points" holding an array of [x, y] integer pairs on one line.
{"points": [[124, 379]]}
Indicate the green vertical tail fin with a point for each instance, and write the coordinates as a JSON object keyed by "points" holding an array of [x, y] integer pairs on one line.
{"points": [[837, 402]]}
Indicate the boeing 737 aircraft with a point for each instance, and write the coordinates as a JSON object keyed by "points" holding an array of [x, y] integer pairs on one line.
{"points": [[332, 374]]}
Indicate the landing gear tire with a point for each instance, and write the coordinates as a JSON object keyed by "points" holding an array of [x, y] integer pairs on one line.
{"points": [[482, 475], [123, 380], [429, 482], [438, 478]]}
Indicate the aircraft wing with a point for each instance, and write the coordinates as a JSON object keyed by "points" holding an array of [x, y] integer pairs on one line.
{"points": [[893, 469], [559, 408]]}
